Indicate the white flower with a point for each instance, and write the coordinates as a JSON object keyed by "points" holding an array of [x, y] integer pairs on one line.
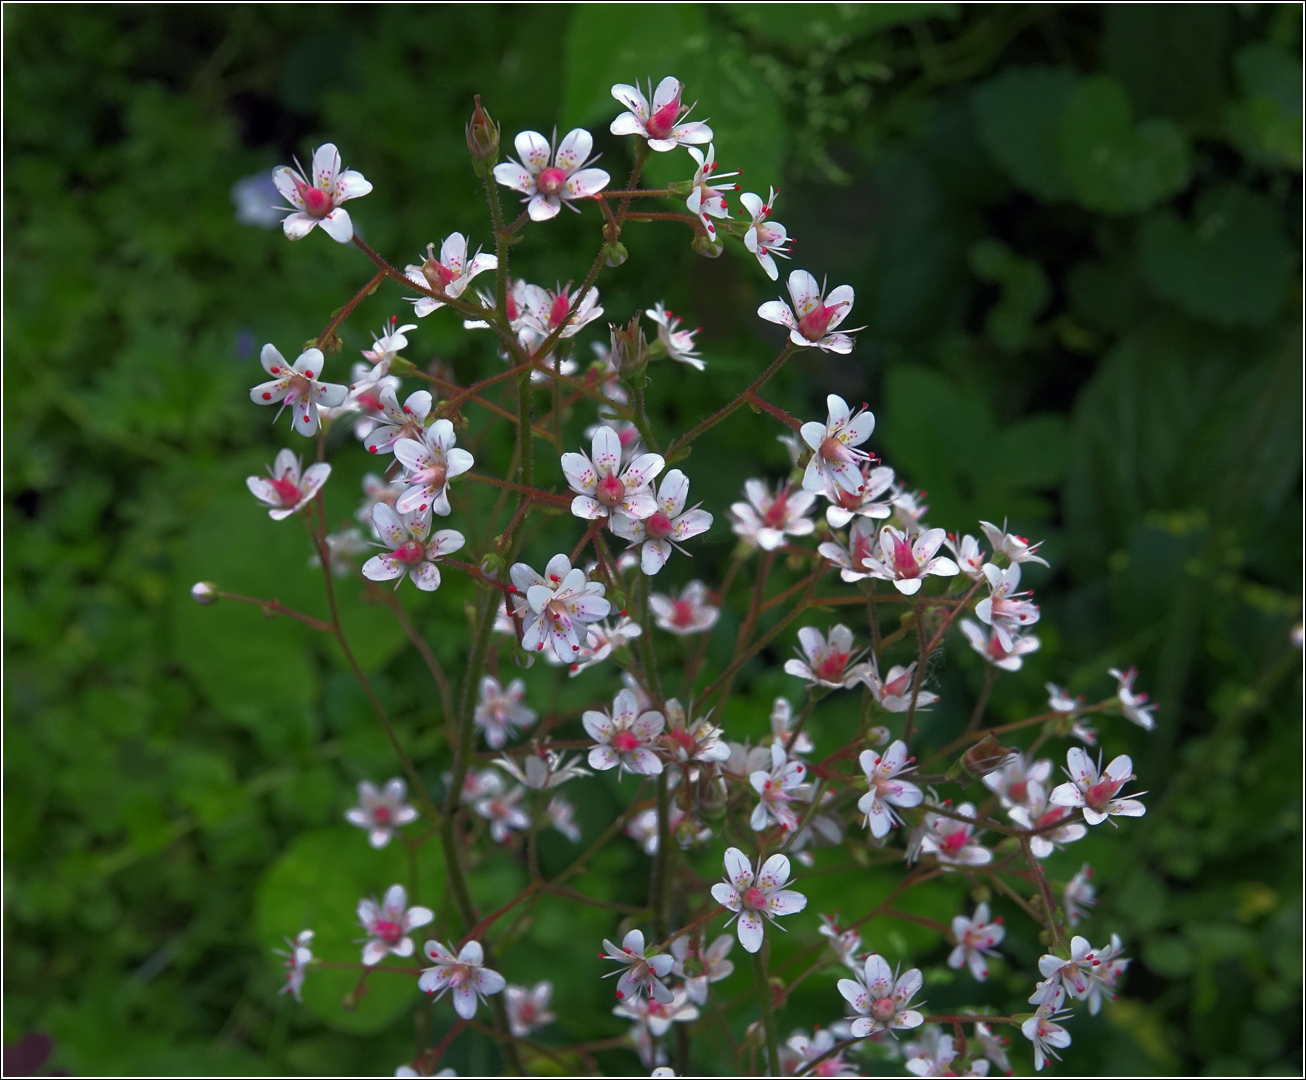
{"points": [[1078, 894], [952, 842], [992, 1046], [776, 790], [886, 791], [860, 559], [1103, 976], [908, 510], [1016, 548], [623, 739], [865, 502], [882, 1001], [1094, 793], [667, 527], [602, 639], [975, 938], [782, 719], [835, 461], [765, 238], [393, 340], [705, 199], [656, 1015], [397, 422], [766, 519], [431, 464], [503, 814], [1008, 657], [318, 201], [285, 488], [1037, 814], [699, 966], [448, 275], [546, 312], [528, 1010], [602, 488], [846, 944], [298, 956], [969, 556], [500, 713], [678, 343], [1133, 706], [906, 561], [687, 741], [1014, 778], [562, 816], [342, 549], [932, 1055], [376, 490], [548, 178], [556, 604], [827, 663], [894, 691], [640, 974], [688, 613], [661, 125], [297, 386], [798, 1050], [387, 925], [1060, 700], [752, 894], [411, 553], [1004, 608], [1046, 1034], [477, 785], [381, 812], [817, 315], [542, 769], [464, 974]]}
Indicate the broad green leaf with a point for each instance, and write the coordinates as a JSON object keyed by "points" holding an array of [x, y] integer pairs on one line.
{"points": [[1019, 114], [825, 24], [1025, 292], [1116, 166], [316, 885], [1229, 265], [1267, 122]]}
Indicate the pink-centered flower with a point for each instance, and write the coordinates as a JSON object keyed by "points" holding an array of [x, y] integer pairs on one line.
{"points": [[1046, 1034], [993, 1047], [813, 318], [976, 938], [765, 238], [464, 974], [989, 644], [894, 691], [376, 490], [624, 740], [413, 552], [562, 816], [602, 487], [688, 613], [387, 925], [932, 1054], [907, 561], [1078, 894], [756, 894], [678, 343], [395, 421], [831, 663], [559, 604], [1016, 548], [766, 519], [1005, 608], [667, 527], [500, 714], [602, 640], [550, 178], [968, 555], [528, 1010], [882, 1001], [286, 489], [431, 463], [655, 1016], [393, 340], [448, 275], [640, 974], [860, 558], [549, 311], [542, 769], [705, 198], [885, 790], [1096, 792], [343, 551], [381, 812], [317, 199], [663, 123], [799, 1052], [845, 944], [297, 387], [776, 788], [699, 966], [954, 842], [504, 814], [1039, 814], [836, 461], [867, 501], [1133, 706], [1013, 780], [298, 955], [782, 721]]}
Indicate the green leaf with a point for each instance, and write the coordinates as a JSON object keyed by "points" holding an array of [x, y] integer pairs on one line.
{"points": [[815, 25], [1019, 114], [1229, 266], [1267, 122], [316, 885], [1025, 292], [1116, 166]]}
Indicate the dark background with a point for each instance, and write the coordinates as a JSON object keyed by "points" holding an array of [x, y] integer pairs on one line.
{"points": [[1074, 236]]}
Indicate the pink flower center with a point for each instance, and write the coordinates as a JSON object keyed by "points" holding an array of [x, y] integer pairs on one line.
{"points": [[610, 490], [381, 815], [897, 687], [1052, 815], [813, 325], [526, 1012], [832, 666], [661, 123], [683, 614], [955, 841], [862, 552], [316, 201], [1018, 791], [1102, 792], [387, 931], [904, 562], [883, 1009], [434, 475], [755, 898], [438, 275], [512, 308], [778, 511], [833, 449], [411, 553], [559, 308], [550, 181], [682, 738], [369, 401], [659, 526], [287, 491], [623, 742]]}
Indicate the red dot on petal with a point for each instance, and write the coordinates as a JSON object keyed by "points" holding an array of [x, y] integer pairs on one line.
{"points": [[308, 374], [267, 397]]}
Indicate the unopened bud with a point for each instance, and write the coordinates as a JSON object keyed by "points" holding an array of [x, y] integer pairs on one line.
{"points": [[522, 658], [400, 366], [204, 592], [630, 350], [482, 139], [707, 247], [617, 599], [693, 967], [615, 253], [878, 736], [680, 187], [492, 565], [981, 759]]}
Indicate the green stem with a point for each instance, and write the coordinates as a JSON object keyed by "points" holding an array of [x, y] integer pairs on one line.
{"points": [[768, 1016]]}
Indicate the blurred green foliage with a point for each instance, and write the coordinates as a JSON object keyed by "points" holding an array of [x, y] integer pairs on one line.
{"points": [[1072, 231]]}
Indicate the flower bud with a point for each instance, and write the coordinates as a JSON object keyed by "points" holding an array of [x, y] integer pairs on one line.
{"points": [[982, 758], [492, 565], [482, 139], [707, 247], [630, 350], [615, 253], [204, 592], [693, 967], [401, 366]]}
